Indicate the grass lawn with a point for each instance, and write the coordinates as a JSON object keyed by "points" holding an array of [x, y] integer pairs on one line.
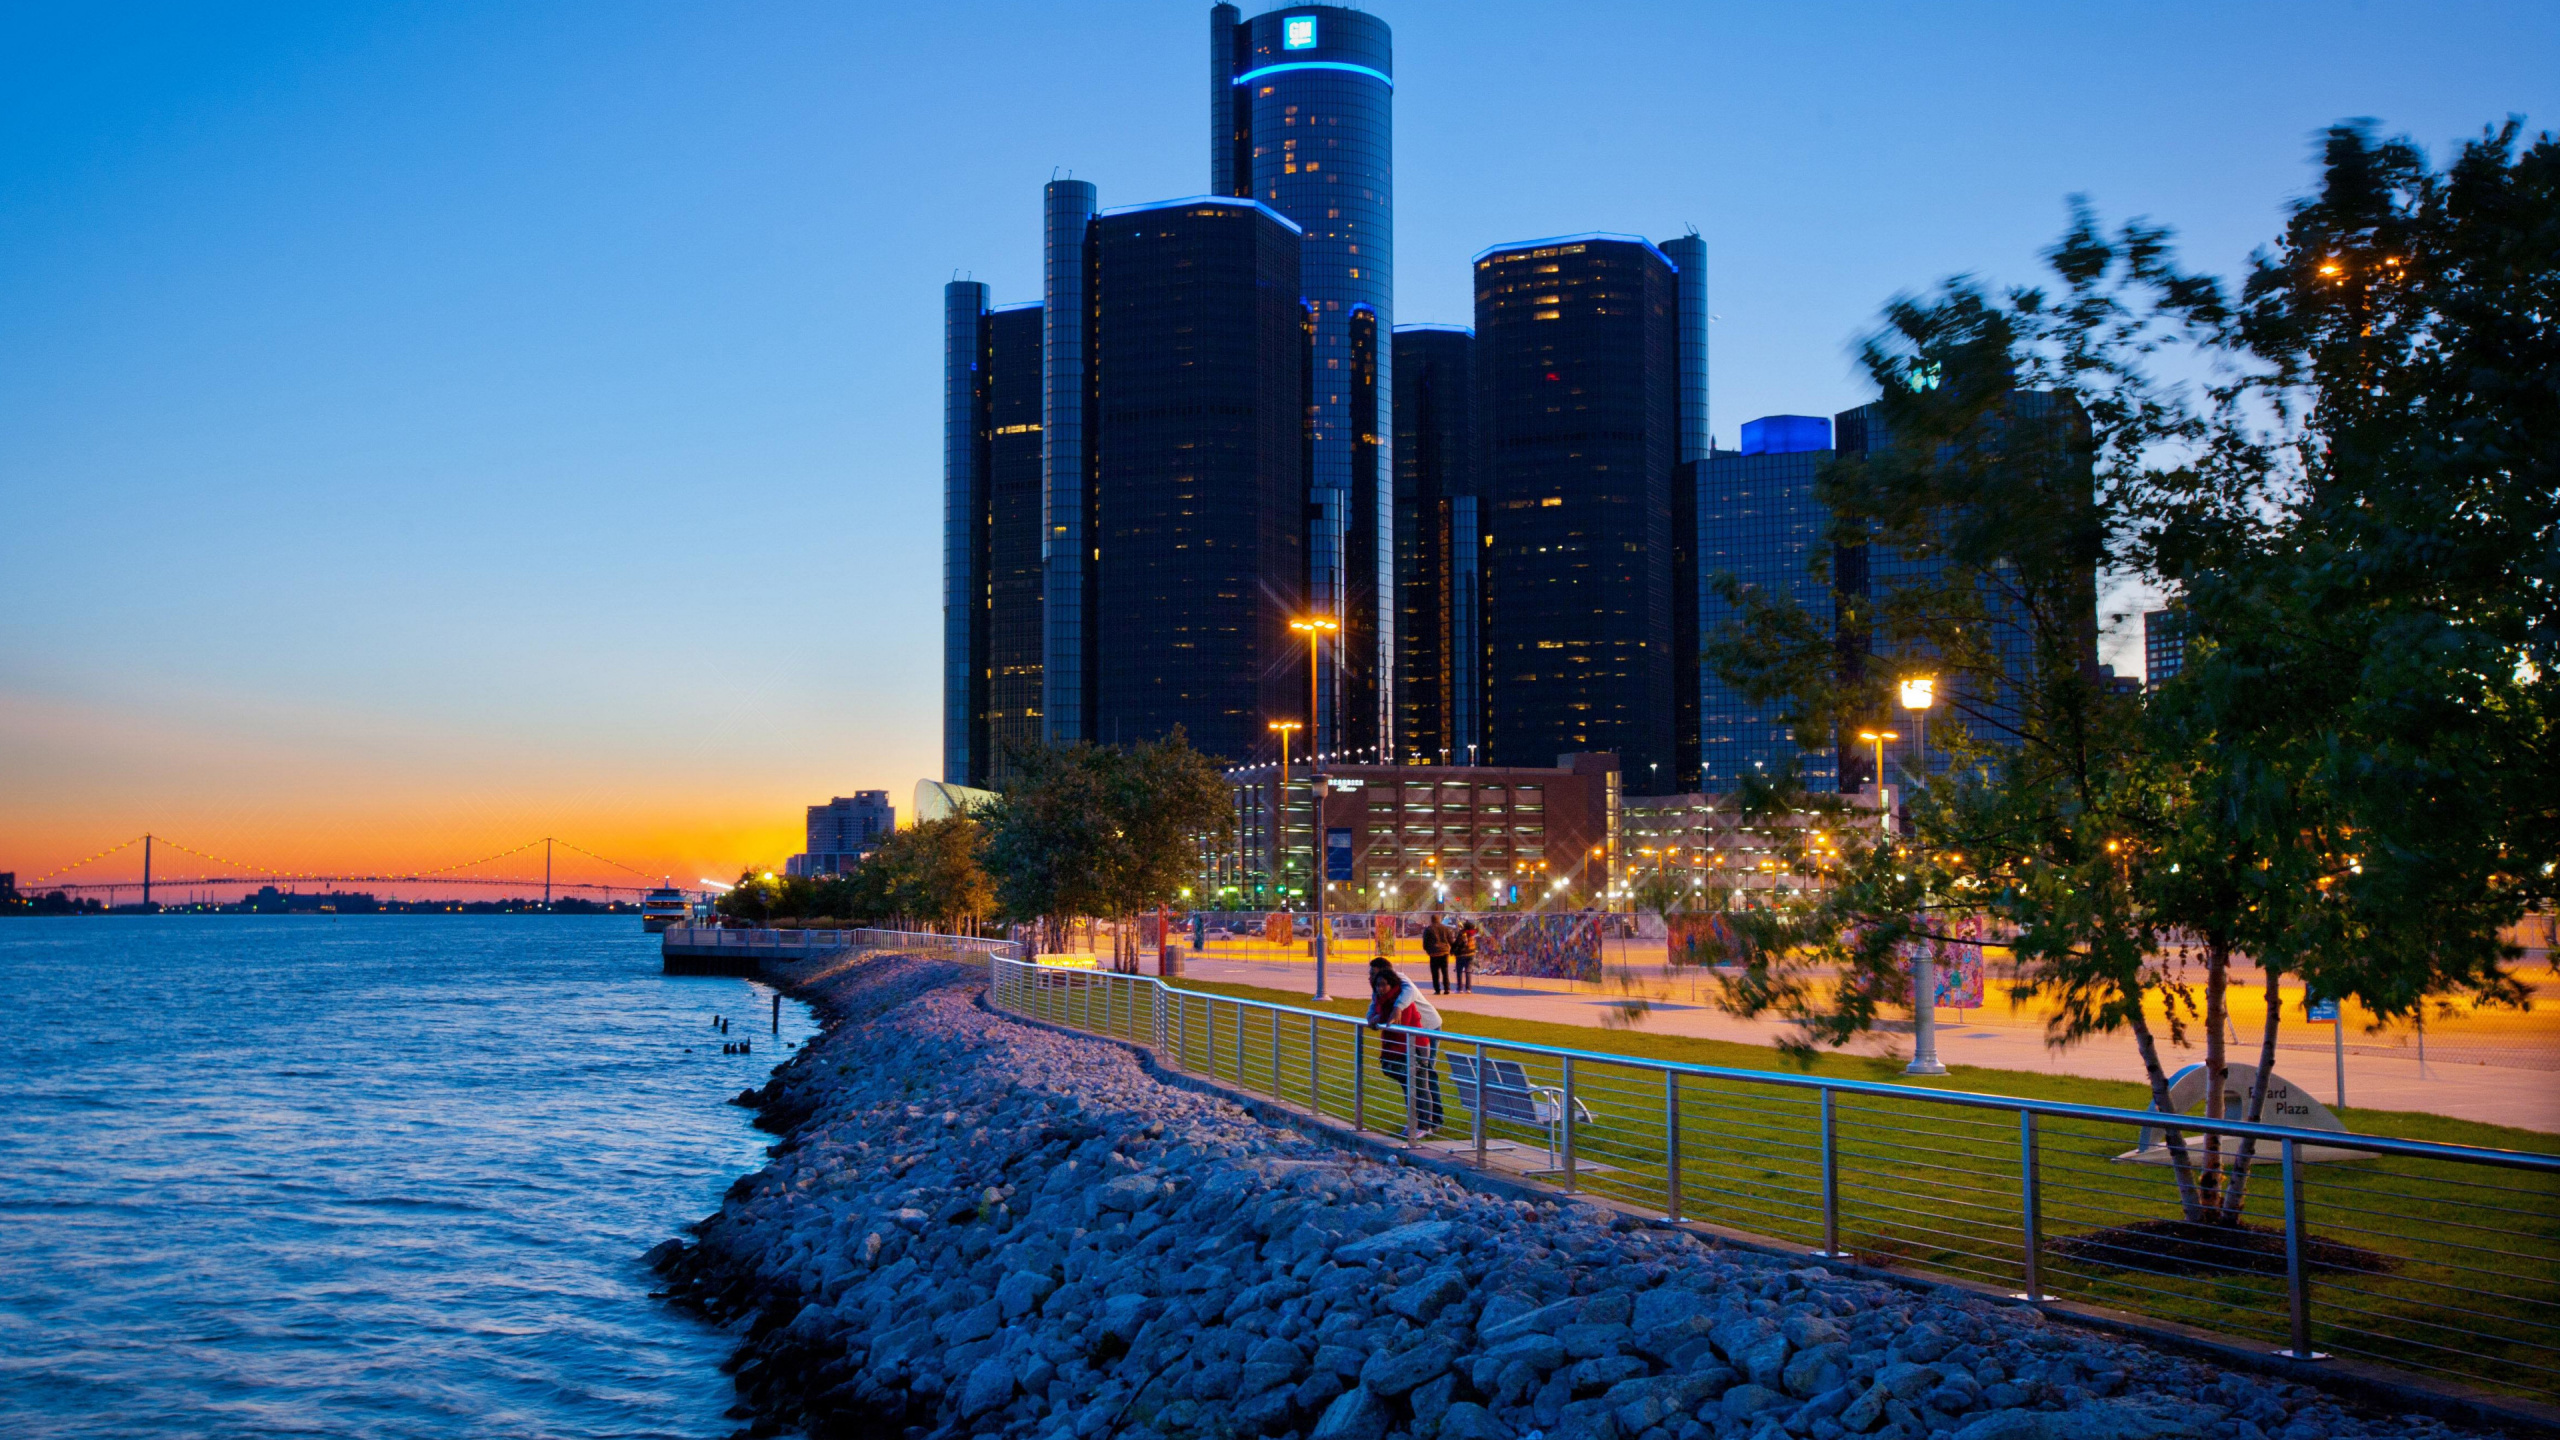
{"points": [[2447, 1267]]}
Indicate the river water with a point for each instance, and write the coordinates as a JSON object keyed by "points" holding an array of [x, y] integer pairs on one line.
{"points": [[361, 1175]]}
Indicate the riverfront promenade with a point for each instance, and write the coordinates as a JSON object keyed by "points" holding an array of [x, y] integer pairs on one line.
{"points": [[978, 1226], [2493, 1094]]}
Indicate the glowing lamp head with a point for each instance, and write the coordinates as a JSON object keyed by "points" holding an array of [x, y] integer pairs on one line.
{"points": [[1316, 625], [1919, 692]]}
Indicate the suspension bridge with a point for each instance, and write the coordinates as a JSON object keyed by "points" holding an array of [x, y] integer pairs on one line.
{"points": [[227, 874]]}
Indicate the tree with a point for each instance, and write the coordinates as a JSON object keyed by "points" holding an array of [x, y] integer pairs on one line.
{"points": [[930, 874], [2349, 780], [1103, 831]]}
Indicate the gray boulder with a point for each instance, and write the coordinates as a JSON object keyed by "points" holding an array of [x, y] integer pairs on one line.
{"points": [[1425, 1298], [1355, 1414], [1467, 1420], [1394, 1374], [1420, 1237], [988, 1386]]}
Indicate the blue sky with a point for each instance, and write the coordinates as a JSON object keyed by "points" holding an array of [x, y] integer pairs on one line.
{"points": [[423, 424]]}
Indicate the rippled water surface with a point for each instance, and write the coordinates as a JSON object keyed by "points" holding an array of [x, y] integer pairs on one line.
{"points": [[362, 1175]]}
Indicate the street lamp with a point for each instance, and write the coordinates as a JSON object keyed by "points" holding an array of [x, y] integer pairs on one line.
{"points": [[1315, 628], [1919, 692], [1884, 812]]}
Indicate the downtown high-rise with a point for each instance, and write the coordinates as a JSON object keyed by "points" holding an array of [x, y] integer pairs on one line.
{"points": [[1301, 118]]}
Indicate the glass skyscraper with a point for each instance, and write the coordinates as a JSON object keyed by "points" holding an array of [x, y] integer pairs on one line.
{"points": [[1300, 119], [1760, 521], [1198, 349], [1992, 709], [992, 568], [1577, 379], [1439, 646]]}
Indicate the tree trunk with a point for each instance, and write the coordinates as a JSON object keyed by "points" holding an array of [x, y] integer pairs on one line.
{"points": [[2239, 1191], [2178, 1157], [2217, 1064]]}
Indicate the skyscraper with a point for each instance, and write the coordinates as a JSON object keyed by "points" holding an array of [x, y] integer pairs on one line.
{"points": [[1439, 647], [992, 570], [1066, 477], [1577, 361], [1300, 119], [964, 540], [2053, 431], [1199, 360], [1760, 522], [1688, 255], [2164, 644]]}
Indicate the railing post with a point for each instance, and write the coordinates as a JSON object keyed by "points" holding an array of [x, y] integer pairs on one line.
{"points": [[1181, 1041], [1477, 1109], [2030, 1208], [1830, 1183], [1409, 1078], [1315, 1092], [1359, 1077], [2297, 1274], [1569, 1185], [1671, 1144]]}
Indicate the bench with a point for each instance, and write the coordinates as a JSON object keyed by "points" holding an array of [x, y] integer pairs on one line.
{"points": [[1506, 1094]]}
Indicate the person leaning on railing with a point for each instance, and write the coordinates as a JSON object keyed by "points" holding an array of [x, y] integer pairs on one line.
{"points": [[1394, 1000]]}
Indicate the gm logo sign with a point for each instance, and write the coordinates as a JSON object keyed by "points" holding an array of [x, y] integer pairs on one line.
{"points": [[1298, 32]]}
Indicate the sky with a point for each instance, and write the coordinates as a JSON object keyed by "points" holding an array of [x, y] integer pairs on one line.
{"points": [[428, 427]]}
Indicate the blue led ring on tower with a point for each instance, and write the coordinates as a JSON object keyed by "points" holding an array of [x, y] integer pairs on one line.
{"points": [[1305, 128]]}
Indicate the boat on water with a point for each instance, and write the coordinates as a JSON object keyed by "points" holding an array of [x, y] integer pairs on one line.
{"points": [[663, 907]]}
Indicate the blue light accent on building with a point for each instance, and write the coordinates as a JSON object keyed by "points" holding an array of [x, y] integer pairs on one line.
{"points": [[1785, 434], [1433, 325], [1305, 131], [1587, 237], [1226, 200], [1251, 76]]}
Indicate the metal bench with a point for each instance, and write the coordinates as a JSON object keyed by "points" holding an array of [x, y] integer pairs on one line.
{"points": [[1506, 1094]]}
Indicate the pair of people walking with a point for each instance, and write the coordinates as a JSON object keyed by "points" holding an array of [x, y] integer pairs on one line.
{"points": [[1407, 1059], [1442, 946]]}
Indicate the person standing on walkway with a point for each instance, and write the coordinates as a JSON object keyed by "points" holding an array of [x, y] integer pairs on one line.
{"points": [[1462, 947], [1409, 1060], [1435, 945]]}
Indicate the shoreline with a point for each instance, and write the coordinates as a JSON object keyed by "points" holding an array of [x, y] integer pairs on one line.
{"points": [[971, 1225]]}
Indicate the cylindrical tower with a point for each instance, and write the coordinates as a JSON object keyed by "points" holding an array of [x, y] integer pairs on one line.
{"points": [[964, 479], [1689, 253], [1065, 495], [1309, 134]]}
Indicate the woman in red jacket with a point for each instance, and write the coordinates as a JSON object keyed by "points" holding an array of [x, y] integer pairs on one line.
{"points": [[1394, 1000]]}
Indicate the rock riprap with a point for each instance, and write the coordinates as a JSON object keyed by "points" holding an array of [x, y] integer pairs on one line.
{"points": [[973, 1226]]}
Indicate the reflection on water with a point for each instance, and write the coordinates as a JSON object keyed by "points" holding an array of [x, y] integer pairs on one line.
{"points": [[363, 1175]]}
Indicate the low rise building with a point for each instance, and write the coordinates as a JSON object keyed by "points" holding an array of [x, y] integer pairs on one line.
{"points": [[843, 832], [1474, 836]]}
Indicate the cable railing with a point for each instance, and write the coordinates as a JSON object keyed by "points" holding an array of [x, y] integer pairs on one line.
{"points": [[798, 944], [2424, 1256]]}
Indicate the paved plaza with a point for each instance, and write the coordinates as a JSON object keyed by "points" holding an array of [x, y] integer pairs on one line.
{"points": [[1682, 1002]]}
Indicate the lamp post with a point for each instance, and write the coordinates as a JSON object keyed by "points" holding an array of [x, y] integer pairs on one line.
{"points": [[1919, 692], [1315, 628], [1884, 812], [1280, 811]]}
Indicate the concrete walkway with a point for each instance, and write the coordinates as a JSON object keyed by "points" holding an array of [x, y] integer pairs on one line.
{"points": [[2498, 1095]]}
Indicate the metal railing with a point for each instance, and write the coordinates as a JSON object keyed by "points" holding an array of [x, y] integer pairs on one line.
{"points": [[791, 944], [2432, 1257]]}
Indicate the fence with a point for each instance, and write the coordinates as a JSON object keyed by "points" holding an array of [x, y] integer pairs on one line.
{"points": [[2429, 1257], [802, 944]]}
